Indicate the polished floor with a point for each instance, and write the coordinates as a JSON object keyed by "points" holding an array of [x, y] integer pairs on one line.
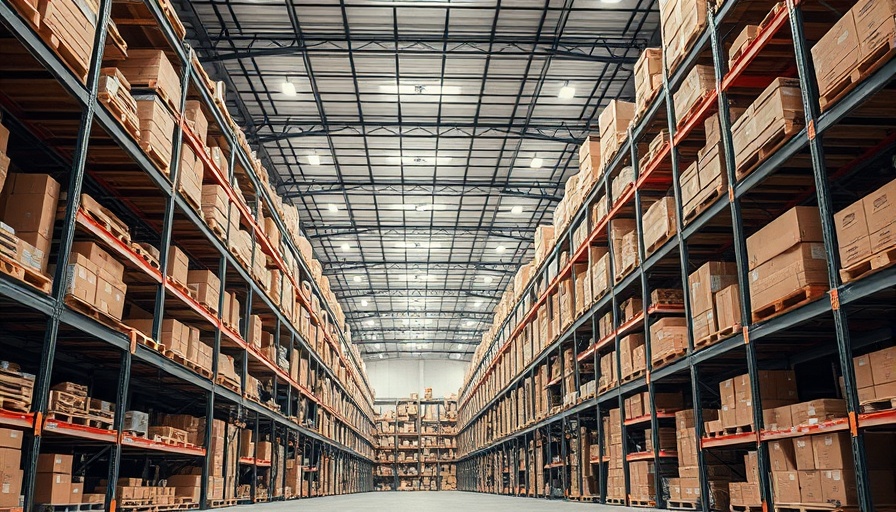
{"points": [[428, 502]]}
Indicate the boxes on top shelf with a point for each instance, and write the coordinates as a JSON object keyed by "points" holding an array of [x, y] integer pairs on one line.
{"points": [[681, 22], [614, 121], [698, 83], [648, 76], [773, 118]]}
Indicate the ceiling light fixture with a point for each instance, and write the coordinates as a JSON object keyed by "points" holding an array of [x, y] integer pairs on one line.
{"points": [[345, 247], [488, 279], [332, 207], [469, 323], [499, 249], [516, 210], [567, 92], [314, 159], [536, 162], [478, 303], [288, 88], [364, 303], [368, 323], [357, 279]]}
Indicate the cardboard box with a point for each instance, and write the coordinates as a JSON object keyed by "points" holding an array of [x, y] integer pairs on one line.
{"points": [[10, 487], [832, 451], [52, 488], [81, 278], [803, 453], [874, 20], [883, 366], [77, 492], [800, 224], [799, 267], [648, 76], [880, 212], [710, 278], [780, 102], [54, 463], [817, 411], [110, 296], [699, 81], [178, 266], [10, 438], [658, 223], [727, 306], [781, 455], [208, 287], [810, 486], [786, 485], [836, 54], [852, 234], [838, 486]]}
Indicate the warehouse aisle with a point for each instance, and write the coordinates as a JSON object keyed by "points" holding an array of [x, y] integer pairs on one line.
{"points": [[449, 501]]}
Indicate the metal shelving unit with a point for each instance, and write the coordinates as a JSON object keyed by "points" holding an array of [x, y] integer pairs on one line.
{"points": [[345, 449], [723, 226]]}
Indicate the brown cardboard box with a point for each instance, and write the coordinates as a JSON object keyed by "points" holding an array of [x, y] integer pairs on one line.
{"points": [[816, 411], [54, 463], [10, 487], [709, 279], [727, 306], [184, 480], [10, 459], [883, 367], [659, 223], [781, 455], [699, 81], [832, 451], [668, 336], [178, 265], [803, 453], [880, 209], [862, 367], [747, 35], [613, 122], [800, 266], [875, 23], [208, 287], [836, 54], [852, 233], [800, 224], [810, 486], [52, 488], [10, 438], [648, 76], [777, 418], [704, 324], [839, 486], [786, 486], [34, 208], [110, 296], [77, 492], [81, 278]]}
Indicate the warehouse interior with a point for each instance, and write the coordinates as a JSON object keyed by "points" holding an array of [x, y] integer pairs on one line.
{"points": [[546, 255]]}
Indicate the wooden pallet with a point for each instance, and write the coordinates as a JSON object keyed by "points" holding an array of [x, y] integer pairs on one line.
{"points": [[715, 192], [157, 158], [8, 244], [589, 499], [222, 503], [189, 199], [67, 54], [184, 288], [745, 508], [869, 65], [718, 336], [635, 375], [874, 263], [878, 404], [813, 507], [27, 275], [27, 10], [786, 129], [661, 361], [134, 433], [682, 505], [615, 501], [693, 110], [790, 301], [118, 108], [90, 310], [178, 358], [146, 251], [84, 419], [108, 220], [670, 232], [730, 431], [73, 507]]}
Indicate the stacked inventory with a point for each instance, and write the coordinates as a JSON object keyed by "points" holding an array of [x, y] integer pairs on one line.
{"points": [[730, 245], [415, 449], [158, 296]]}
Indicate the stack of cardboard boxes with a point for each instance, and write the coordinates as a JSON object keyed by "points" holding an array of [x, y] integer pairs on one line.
{"points": [[747, 494], [787, 257], [97, 279], [668, 339], [658, 223], [215, 207], [613, 451], [706, 177], [648, 77], [876, 375], [624, 241], [705, 285], [854, 42], [54, 484], [777, 388], [614, 122], [632, 356], [681, 22], [544, 242], [698, 83], [10, 463], [775, 116], [31, 215], [866, 228], [589, 158]]}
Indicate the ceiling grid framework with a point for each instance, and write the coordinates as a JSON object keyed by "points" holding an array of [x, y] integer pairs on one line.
{"points": [[422, 140]]}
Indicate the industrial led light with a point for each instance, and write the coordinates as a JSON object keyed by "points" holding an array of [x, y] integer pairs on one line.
{"points": [[499, 249], [314, 159], [364, 303], [288, 88], [478, 303], [469, 323], [488, 279], [332, 207], [357, 279], [345, 247], [516, 210], [536, 163], [567, 92]]}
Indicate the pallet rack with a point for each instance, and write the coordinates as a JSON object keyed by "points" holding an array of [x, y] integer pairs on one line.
{"points": [[331, 440], [839, 155], [390, 437]]}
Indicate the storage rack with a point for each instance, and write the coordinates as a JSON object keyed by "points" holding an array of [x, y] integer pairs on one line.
{"points": [[389, 444], [822, 159], [57, 342]]}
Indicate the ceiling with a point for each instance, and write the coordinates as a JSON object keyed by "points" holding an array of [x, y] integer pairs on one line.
{"points": [[409, 136]]}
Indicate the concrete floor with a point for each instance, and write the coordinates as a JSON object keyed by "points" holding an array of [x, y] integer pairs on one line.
{"points": [[450, 501]]}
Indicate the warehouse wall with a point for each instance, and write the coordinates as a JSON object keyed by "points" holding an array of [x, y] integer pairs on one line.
{"points": [[398, 378]]}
